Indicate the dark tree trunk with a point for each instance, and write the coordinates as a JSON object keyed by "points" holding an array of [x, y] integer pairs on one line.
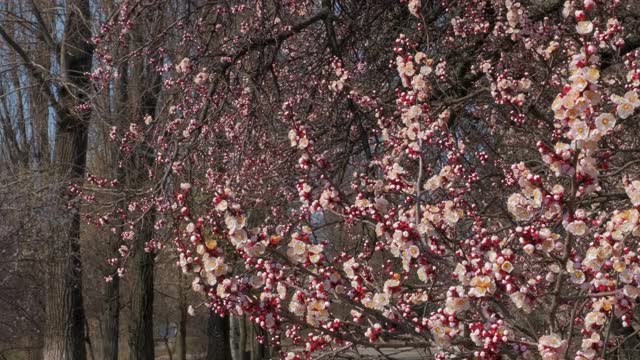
{"points": [[111, 313], [236, 333], [144, 93], [141, 341], [65, 318], [111, 320], [218, 345], [64, 330], [181, 341]]}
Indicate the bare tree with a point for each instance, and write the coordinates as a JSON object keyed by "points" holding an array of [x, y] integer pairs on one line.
{"points": [[65, 320]]}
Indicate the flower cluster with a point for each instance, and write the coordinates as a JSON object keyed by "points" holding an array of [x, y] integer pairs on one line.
{"points": [[471, 193]]}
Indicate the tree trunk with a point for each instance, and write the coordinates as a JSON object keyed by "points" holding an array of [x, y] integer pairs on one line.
{"points": [[65, 318], [111, 320], [235, 337], [219, 342], [64, 330], [39, 117], [166, 336], [141, 341], [111, 314], [253, 349], [244, 339], [181, 341], [258, 349], [144, 93]]}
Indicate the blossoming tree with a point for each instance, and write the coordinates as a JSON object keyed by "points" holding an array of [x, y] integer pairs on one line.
{"points": [[456, 177]]}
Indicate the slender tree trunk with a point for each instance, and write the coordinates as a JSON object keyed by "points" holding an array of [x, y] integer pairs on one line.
{"points": [[39, 113], [235, 337], [65, 318], [253, 349], [141, 342], [219, 343], [21, 135], [181, 341], [244, 339], [258, 349], [111, 320], [165, 339], [111, 314]]}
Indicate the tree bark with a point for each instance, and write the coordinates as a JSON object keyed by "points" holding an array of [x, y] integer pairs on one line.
{"points": [[258, 349], [111, 314], [235, 337], [243, 341], [111, 320], [65, 317], [181, 341], [35, 347], [39, 107], [64, 330], [141, 341], [219, 343], [145, 91]]}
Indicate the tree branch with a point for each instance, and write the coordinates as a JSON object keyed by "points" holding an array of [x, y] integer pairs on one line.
{"points": [[33, 70], [44, 30]]}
